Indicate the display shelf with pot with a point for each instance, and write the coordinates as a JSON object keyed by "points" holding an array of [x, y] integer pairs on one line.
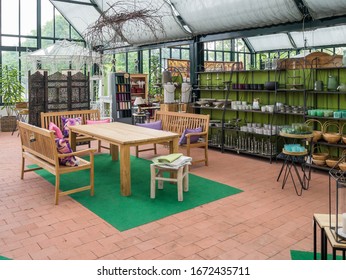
{"points": [[327, 104], [242, 94]]}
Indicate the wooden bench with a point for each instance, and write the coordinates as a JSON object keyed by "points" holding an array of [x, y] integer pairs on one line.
{"points": [[39, 147], [177, 122], [56, 117]]}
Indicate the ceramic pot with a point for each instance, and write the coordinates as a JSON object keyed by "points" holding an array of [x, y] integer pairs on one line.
{"points": [[332, 83], [271, 85], [342, 87], [318, 86]]}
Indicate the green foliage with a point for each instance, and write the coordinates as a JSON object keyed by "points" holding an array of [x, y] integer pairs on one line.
{"points": [[11, 89]]}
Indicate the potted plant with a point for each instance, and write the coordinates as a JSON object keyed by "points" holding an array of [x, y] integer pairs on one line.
{"points": [[11, 91]]}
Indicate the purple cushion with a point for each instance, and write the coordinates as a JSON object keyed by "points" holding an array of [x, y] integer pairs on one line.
{"points": [[69, 121], [63, 147], [154, 125], [193, 139]]}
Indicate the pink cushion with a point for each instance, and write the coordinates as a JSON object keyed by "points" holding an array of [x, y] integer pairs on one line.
{"points": [[57, 131], [97, 122]]}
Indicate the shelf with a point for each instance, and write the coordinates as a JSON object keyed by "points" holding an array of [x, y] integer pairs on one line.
{"points": [[249, 153], [326, 92], [325, 118], [324, 143]]}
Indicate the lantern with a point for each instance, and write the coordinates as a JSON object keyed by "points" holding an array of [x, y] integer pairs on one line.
{"points": [[337, 202]]}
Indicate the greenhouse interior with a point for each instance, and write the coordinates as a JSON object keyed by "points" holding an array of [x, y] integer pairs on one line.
{"points": [[220, 125]]}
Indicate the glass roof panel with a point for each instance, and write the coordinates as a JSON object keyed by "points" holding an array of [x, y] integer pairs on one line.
{"points": [[322, 8], [80, 16], [270, 42], [328, 36], [223, 15]]}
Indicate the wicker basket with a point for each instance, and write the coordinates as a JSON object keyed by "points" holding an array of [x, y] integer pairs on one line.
{"points": [[317, 134], [8, 123], [342, 163], [331, 137], [320, 156], [343, 136], [332, 162]]}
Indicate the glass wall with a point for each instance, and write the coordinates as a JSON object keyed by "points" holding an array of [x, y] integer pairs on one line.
{"points": [[29, 25]]}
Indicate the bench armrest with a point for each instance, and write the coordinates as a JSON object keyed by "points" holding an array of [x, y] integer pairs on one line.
{"points": [[203, 133], [77, 153]]}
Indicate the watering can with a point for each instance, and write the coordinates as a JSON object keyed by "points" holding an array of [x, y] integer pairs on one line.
{"points": [[332, 83]]}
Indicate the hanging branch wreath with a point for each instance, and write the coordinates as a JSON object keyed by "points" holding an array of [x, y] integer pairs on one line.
{"points": [[113, 26]]}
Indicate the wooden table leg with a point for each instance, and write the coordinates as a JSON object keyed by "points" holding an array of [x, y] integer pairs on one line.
{"points": [[72, 139], [125, 170], [173, 145], [114, 152]]}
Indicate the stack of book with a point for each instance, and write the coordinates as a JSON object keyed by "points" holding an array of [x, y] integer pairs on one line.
{"points": [[172, 161]]}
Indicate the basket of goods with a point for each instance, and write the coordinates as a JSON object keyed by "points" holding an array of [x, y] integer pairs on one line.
{"points": [[332, 162], [319, 162], [317, 133], [320, 156], [332, 137], [343, 136], [342, 162]]}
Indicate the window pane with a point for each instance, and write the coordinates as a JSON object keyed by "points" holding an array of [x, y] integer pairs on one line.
{"points": [[227, 56], [28, 17], [28, 42], [132, 62], [47, 18], [46, 43], [61, 27], [120, 62], [219, 45], [211, 56], [10, 17], [176, 53], [10, 41], [218, 56], [146, 61], [75, 35], [185, 54], [10, 59]]}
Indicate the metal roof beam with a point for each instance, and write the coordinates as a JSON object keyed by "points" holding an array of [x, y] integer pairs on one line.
{"points": [[75, 2], [281, 28]]}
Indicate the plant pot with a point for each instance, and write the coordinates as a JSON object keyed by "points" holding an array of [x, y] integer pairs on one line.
{"points": [[271, 85], [8, 123]]}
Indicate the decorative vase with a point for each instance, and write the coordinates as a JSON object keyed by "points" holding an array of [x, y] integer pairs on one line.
{"points": [[332, 83]]}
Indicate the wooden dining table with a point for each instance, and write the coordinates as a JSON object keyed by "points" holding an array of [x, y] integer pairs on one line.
{"points": [[121, 137]]}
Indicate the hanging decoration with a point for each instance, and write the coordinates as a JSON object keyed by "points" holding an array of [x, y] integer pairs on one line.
{"points": [[113, 27]]}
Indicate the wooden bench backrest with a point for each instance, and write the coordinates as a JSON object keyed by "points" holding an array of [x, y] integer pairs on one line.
{"points": [[55, 117], [39, 142], [178, 122]]}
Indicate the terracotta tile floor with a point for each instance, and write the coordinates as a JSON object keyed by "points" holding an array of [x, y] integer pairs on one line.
{"points": [[263, 222]]}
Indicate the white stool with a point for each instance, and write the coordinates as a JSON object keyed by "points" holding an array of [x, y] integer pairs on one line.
{"points": [[178, 176]]}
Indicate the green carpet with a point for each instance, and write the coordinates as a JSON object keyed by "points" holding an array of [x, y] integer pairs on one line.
{"points": [[303, 255], [128, 212]]}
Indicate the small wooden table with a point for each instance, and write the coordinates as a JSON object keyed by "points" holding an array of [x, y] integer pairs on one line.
{"points": [[123, 136], [322, 221], [336, 246]]}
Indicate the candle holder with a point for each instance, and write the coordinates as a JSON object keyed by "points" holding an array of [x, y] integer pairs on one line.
{"points": [[337, 202]]}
